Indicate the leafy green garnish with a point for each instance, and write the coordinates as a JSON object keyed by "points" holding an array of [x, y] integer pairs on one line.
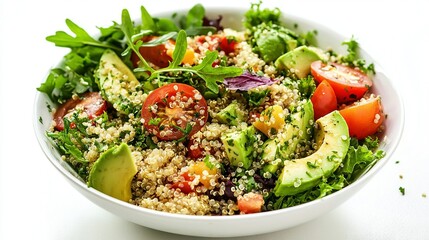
{"points": [[74, 75], [82, 38], [147, 21], [194, 18], [360, 159], [69, 141], [61, 84], [306, 86], [325, 187], [204, 70], [352, 58], [255, 98], [208, 163], [255, 15]]}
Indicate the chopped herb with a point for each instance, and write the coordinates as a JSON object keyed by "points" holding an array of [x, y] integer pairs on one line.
{"points": [[208, 163], [155, 121], [311, 165], [402, 190], [48, 106], [40, 120], [256, 98]]}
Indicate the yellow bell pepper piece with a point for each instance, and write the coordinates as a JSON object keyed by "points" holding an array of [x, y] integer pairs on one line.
{"points": [[271, 120]]}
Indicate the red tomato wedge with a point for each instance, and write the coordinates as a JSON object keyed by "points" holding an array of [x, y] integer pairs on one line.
{"points": [[250, 203], [154, 54], [174, 111], [92, 103], [364, 117], [323, 99], [349, 84]]}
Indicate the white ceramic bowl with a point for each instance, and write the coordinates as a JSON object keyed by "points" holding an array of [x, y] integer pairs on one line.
{"points": [[240, 225]]}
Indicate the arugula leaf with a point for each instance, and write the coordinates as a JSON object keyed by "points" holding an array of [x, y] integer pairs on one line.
{"points": [[160, 40], [179, 50], [195, 16], [112, 34], [82, 38], [127, 27], [213, 75], [165, 25], [147, 20], [204, 70]]}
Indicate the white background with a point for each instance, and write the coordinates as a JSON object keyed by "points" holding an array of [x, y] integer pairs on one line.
{"points": [[37, 203]]}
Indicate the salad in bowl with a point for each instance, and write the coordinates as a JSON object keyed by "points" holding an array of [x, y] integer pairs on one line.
{"points": [[187, 116]]}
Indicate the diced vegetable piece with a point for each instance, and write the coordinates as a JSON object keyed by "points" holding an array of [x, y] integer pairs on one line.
{"points": [[270, 121], [250, 203], [239, 146]]}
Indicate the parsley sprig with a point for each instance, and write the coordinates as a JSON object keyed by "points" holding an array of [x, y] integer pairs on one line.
{"points": [[352, 57]]}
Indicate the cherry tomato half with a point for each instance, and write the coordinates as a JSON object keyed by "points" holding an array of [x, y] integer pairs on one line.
{"points": [[364, 117], [92, 103], [324, 100], [349, 84], [174, 111]]}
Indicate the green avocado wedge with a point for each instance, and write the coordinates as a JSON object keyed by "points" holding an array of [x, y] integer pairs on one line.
{"points": [[113, 172], [299, 60], [299, 175]]}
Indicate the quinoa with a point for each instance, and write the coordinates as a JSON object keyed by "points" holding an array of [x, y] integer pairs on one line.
{"points": [[186, 151]]}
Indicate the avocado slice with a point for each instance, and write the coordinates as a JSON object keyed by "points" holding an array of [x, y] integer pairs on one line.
{"points": [[302, 174], [113, 172], [269, 152], [239, 146], [270, 156], [299, 60], [117, 83], [231, 115], [297, 129]]}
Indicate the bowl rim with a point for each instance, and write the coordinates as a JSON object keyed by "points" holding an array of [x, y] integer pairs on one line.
{"points": [[45, 143]]}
